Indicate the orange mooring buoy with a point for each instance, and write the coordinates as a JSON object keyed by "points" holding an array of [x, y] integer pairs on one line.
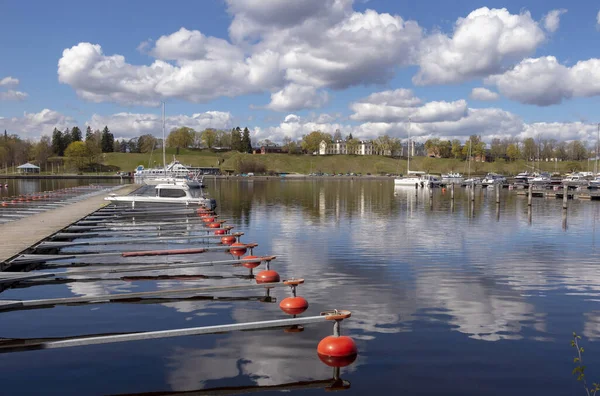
{"points": [[220, 232], [293, 305], [237, 249], [208, 219], [214, 225], [267, 276], [337, 350], [251, 264], [228, 240]]}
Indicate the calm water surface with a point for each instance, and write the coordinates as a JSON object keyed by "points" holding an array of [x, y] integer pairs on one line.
{"points": [[29, 186], [445, 299]]}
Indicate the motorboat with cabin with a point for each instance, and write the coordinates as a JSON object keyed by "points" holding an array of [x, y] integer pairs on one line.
{"points": [[492, 179], [167, 193], [575, 179], [541, 179], [417, 178], [173, 172]]}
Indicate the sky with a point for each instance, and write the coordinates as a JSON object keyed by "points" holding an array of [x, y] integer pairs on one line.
{"points": [[285, 68]]}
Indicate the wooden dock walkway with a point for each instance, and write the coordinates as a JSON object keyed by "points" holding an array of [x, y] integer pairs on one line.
{"points": [[20, 234]]}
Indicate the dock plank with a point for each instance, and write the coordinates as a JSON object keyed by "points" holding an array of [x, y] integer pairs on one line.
{"points": [[20, 234]]}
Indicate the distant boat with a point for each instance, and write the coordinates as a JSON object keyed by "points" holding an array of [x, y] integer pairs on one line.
{"points": [[418, 179], [493, 178], [452, 178], [542, 178], [576, 179], [168, 193], [472, 181]]}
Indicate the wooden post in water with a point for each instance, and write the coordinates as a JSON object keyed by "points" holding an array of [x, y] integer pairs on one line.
{"points": [[431, 197], [565, 196], [472, 191], [529, 215], [498, 193], [564, 219], [452, 192], [530, 194]]}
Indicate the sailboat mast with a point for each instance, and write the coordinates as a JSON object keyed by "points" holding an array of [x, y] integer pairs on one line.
{"points": [[164, 141], [408, 163], [470, 144], [597, 143]]}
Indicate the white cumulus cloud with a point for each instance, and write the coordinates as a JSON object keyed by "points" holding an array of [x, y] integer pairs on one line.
{"points": [[12, 95], [481, 44], [9, 81], [129, 125], [544, 81], [296, 97], [552, 20], [33, 125], [483, 94]]}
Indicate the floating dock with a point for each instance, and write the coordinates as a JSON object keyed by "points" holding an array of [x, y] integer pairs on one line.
{"points": [[20, 234]]}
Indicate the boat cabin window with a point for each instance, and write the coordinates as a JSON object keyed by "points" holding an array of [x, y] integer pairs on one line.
{"points": [[170, 193]]}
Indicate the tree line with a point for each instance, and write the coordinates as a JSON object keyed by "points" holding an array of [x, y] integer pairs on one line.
{"points": [[510, 149]]}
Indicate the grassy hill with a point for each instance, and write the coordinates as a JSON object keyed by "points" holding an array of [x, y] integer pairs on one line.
{"points": [[306, 164]]}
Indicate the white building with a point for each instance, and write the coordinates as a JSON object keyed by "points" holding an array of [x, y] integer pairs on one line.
{"points": [[340, 147]]}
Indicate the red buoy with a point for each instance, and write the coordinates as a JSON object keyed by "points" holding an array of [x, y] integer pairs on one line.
{"points": [[251, 264], [341, 361], [267, 276], [337, 351], [4, 204], [238, 249], [214, 225], [209, 219], [220, 232], [293, 305], [228, 240]]}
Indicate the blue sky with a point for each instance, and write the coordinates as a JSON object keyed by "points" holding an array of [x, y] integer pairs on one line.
{"points": [[561, 105]]}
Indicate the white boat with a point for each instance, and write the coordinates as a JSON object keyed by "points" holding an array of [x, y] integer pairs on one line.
{"points": [[493, 178], [576, 179], [452, 178], [174, 172], [595, 182], [415, 178], [418, 179], [542, 178], [472, 181], [168, 193], [522, 178]]}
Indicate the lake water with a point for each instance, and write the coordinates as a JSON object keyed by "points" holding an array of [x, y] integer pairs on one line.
{"points": [[445, 299], [30, 186]]}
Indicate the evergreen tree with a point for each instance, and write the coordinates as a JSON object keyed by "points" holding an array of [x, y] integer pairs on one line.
{"points": [[88, 133], [76, 134], [107, 141], [6, 136], [246, 143], [57, 142], [349, 137], [236, 139], [66, 139]]}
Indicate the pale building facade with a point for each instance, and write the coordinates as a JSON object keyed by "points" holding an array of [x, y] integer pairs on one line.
{"points": [[340, 148]]}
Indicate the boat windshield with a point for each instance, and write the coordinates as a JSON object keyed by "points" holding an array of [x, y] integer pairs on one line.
{"points": [[170, 193]]}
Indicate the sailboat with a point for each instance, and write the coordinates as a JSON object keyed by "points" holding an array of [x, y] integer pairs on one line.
{"points": [[471, 180], [174, 173], [415, 178]]}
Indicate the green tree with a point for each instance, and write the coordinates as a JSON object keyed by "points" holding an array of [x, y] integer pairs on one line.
{"points": [[209, 137], [497, 149], [352, 146], [146, 143], [66, 139], [246, 142], [88, 133], [577, 151], [107, 141], [236, 139], [57, 143], [512, 152], [181, 137], [77, 155], [457, 149], [42, 150], [529, 149], [223, 139], [289, 145], [76, 134], [310, 143]]}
